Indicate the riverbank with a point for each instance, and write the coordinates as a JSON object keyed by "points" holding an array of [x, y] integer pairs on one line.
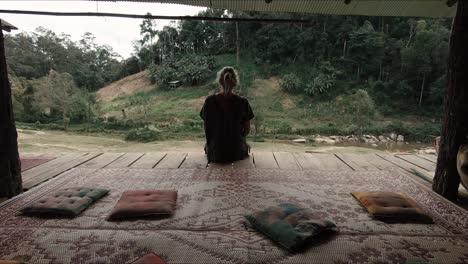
{"points": [[59, 141]]}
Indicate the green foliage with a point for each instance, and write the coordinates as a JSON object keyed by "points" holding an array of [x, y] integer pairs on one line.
{"points": [[321, 83], [291, 83], [358, 107], [144, 135], [190, 69], [162, 74]]}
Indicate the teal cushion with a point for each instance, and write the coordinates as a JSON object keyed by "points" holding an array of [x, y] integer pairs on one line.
{"points": [[66, 202], [289, 225]]}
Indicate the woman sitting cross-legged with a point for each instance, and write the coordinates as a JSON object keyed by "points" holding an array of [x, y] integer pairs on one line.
{"points": [[226, 117]]}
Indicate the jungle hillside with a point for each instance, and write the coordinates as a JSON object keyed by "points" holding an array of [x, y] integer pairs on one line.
{"points": [[345, 77]]}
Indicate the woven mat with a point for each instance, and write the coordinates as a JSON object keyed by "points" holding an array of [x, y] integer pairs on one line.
{"points": [[208, 226], [28, 163]]}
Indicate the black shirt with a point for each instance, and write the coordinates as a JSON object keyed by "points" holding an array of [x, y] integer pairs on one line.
{"points": [[224, 117]]}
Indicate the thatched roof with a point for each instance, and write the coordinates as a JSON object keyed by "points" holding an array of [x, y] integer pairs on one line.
{"points": [[7, 26], [424, 8]]}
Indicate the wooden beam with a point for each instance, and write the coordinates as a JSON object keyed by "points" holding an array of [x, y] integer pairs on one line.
{"points": [[196, 18], [455, 124], [11, 183]]}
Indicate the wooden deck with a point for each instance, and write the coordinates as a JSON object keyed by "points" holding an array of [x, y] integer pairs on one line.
{"points": [[423, 165]]}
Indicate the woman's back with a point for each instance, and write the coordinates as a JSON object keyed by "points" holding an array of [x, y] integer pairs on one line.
{"points": [[224, 118]]}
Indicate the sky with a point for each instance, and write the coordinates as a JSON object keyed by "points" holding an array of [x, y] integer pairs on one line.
{"points": [[119, 33]]}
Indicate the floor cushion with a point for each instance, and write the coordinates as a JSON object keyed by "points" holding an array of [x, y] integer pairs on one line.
{"points": [[144, 203], [66, 202], [289, 225], [150, 258], [9, 262], [392, 207]]}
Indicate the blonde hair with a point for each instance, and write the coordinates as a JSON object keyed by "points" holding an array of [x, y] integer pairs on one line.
{"points": [[225, 74]]}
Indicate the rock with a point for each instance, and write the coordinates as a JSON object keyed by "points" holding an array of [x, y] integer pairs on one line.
{"points": [[329, 141], [300, 140], [374, 145], [400, 138], [393, 136], [383, 139], [429, 151], [319, 140]]}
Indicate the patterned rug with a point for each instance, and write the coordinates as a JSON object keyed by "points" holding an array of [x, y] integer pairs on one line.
{"points": [[28, 163], [208, 226]]}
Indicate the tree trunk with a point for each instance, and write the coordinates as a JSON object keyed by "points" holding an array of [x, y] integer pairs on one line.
{"points": [[10, 164], [358, 74], [422, 90], [344, 49], [237, 44], [455, 124], [64, 116]]}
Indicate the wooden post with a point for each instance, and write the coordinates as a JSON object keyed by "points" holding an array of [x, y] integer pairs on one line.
{"points": [[10, 164], [455, 124]]}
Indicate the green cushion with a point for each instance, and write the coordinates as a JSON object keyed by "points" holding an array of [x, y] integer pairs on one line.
{"points": [[289, 225], [66, 202]]}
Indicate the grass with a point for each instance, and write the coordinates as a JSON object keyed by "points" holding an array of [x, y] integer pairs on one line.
{"points": [[280, 115]]}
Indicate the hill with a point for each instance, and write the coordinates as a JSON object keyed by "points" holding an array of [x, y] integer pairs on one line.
{"points": [[131, 84]]}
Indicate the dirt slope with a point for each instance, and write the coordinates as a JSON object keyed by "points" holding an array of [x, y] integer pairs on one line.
{"points": [[128, 85]]}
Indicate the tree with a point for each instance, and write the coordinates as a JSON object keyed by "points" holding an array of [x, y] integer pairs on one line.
{"points": [[148, 31], [57, 92], [455, 124], [366, 49]]}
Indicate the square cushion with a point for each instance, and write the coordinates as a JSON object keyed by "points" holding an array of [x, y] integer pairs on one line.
{"points": [[150, 258], [66, 202], [289, 225], [144, 203], [393, 207]]}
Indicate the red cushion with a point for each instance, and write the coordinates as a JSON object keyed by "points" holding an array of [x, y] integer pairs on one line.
{"points": [[150, 258], [144, 203]]}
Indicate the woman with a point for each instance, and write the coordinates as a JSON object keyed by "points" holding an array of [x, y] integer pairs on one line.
{"points": [[226, 117]]}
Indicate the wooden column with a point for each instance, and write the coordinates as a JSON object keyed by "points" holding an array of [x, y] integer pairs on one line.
{"points": [[10, 164], [455, 124]]}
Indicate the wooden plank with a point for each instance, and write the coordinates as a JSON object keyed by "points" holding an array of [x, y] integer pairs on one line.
{"points": [[356, 161], [429, 157], [172, 160], [321, 161], [31, 155], [306, 161], [148, 161], [247, 163], [58, 169], [401, 163], [379, 162], [101, 161], [43, 168], [195, 160], [265, 160], [286, 160], [418, 161], [125, 160]]}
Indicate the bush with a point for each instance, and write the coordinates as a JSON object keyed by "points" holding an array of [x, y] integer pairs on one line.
{"points": [[357, 108], [162, 74], [291, 83], [143, 135]]}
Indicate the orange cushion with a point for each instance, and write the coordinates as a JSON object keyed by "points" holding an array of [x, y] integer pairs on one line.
{"points": [[390, 206], [144, 203]]}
